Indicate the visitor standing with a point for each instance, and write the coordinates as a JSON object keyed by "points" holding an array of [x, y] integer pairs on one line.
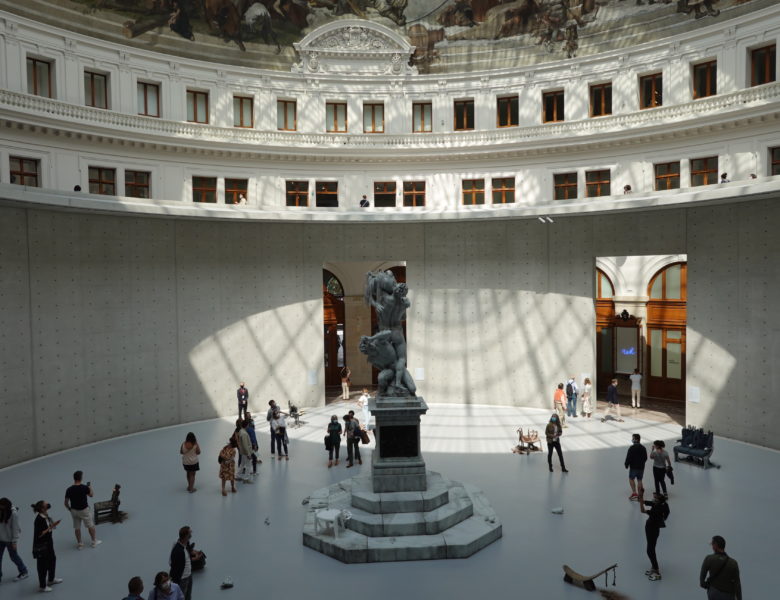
{"points": [[656, 519], [165, 589], [190, 450], [181, 563], [720, 573], [553, 433], [10, 530], [636, 457], [245, 453], [269, 415], [661, 462], [587, 402], [135, 587], [352, 431], [345, 375], [636, 388], [78, 505], [363, 405], [43, 546], [559, 404], [227, 466], [571, 396], [279, 424], [250, 429], [334, 435], [243, 400], [612, 401]]}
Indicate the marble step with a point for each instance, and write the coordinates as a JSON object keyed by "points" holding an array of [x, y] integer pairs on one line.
{"points": [[364, 498]]}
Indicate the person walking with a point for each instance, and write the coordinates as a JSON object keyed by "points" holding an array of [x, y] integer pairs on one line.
{"points": [[656, 519], [720, 573], [559, 404], [661, 462], [181, 563], [135, 587], [243, 400], [165, 589], [43, 546], [587, 403], [10, 530], [190, 450], [345, 375], [279, 424], [636, 457], [78, 505], [227, 466], [571, 397], [269, 415], [334, 434], [553, 432], [636, 388], [612, 401]]}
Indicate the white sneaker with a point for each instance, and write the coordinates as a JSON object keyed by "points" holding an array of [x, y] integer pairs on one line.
{"points": [[55, 581], [96, 542], [45, 589], [21, 576], [79, 546]]}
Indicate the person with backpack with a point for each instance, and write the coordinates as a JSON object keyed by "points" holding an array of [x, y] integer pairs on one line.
{"points": [[571, 397], [723, 582], [656, 519]]}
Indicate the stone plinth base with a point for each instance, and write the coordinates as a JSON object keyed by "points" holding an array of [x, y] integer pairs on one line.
{"points": [[446, 520], [398, 474]]}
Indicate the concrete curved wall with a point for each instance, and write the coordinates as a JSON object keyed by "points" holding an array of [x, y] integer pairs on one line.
{"points": [[117, 324]]}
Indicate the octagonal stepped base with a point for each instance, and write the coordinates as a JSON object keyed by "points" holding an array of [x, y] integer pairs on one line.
{"points": [[448, 520]]}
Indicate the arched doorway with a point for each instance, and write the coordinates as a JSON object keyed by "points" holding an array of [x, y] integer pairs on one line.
{"points": [[666, 321], [605, 313], [333, 303]]}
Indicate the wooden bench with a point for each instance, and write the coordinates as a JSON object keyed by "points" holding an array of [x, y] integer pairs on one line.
{"points": [[108, 510]]}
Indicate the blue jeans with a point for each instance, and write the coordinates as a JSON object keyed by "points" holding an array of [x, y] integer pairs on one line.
{"points": [[14, 558], [571, 409]]}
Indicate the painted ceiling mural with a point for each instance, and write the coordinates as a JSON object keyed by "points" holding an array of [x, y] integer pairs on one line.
{"points": [[450, 35]]}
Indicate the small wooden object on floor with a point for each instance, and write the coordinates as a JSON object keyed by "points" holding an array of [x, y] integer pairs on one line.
{"points": [[571, 576], [108, 510]]}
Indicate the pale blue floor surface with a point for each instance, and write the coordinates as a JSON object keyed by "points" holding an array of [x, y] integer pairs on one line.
{"points": [[470, 444]]}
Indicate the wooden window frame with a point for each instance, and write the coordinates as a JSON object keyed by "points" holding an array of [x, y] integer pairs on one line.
{"points": [[557, 97], [566, 185], [101, 182], [656, 91], [774, 162], [662, 273], [463, 119], [372, 108], [600, 95], [500, 187], [282, 105], [663, 181], [203, 190], [134, 189], [21, 173], [192, 96], [296, 192], [234, 189], [710, 75], [144, 87], [241, 101], [326, 194], [414, 193], [507, 111], [594, 188], [425, 126], [336, 125], [33, 63], [599, 288], [707, 172], [470, 197], [769, 72], [91, 88], [383, 190]]}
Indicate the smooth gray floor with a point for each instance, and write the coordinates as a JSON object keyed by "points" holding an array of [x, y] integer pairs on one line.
{"points": [[467, 443]]}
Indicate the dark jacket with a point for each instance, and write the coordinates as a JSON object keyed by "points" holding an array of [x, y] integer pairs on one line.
{"points": [[658, 513], [178, 562], [612, 395], [636, 457]]}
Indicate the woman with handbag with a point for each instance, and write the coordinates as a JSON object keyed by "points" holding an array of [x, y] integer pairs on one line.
{"points": [[279, 425], [227, 465], [334, 439], [43, 546]]}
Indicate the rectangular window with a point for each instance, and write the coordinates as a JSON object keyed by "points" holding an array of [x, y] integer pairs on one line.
{"points": [[384, 194], [148, 99], [597, 183], [762, 65], [297, 193], [503, 190], [243, 111], [236, 191], [25, 171], [601, 100], [204, 189], [95, 89], [705, 79], [336, 117], [327, 194], [507, 112], [197, 106], [552, 106], [286, 115], [414, 193], [464, 115], [651, 91], [565, 186], [667, 176], [473, 191], [373, 118], [102, 181], [774, 161], [137, 184], [39, 77], [422, 117], [704, 171]]}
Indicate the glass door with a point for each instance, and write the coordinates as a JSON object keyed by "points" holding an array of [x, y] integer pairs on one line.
{"points": [[666, 354]]}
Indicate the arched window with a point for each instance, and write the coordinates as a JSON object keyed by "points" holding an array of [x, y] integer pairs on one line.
{"points": [[670, 283], [604, 288]]}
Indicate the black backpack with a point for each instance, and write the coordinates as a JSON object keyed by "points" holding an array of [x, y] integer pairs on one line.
{"points": [[569, 389]]}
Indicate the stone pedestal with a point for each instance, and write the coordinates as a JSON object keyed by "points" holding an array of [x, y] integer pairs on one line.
{"points": [[397, 464]]}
